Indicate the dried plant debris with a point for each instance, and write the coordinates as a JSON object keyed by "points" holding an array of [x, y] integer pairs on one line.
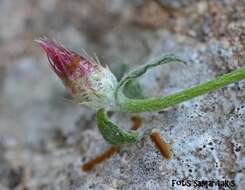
{"points": [[161, 145]]}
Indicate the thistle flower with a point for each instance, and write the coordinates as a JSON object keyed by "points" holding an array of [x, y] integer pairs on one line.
{"points": [[88, 82], [95, 86]]}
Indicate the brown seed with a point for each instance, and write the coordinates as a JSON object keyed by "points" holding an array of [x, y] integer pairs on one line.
{"points": [[137, 122], [90, 165], [161, 145]]}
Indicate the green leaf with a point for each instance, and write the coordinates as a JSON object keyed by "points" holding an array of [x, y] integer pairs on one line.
{"points": [[131, 76], [112, 133], [132, 89]]}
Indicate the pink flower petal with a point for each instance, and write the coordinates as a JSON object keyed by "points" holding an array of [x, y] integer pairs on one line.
{"points": [[66, 63]]}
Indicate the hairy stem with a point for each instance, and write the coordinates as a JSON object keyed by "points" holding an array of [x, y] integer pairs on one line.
{"points": [[159, 103]]}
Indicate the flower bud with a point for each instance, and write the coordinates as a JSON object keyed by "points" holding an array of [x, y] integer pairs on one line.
{"points": [[88, 82]]}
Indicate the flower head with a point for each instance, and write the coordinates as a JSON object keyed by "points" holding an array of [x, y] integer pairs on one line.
{"points": [[86, 80]]}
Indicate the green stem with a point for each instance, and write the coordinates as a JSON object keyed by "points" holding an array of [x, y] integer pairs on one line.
{"points": [[159, 103]]}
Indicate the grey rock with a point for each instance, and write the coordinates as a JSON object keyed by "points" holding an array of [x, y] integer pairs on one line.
{"points": [[45, 138]]}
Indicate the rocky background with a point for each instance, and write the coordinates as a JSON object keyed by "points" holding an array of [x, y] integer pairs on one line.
{"points": [[44, 137]]}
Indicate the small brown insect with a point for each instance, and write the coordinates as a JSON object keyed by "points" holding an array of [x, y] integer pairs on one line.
{"points": [[90, 165], [161, 145]]}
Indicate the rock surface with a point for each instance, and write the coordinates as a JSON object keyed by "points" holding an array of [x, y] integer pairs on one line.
{"points": [[44, 138]]}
